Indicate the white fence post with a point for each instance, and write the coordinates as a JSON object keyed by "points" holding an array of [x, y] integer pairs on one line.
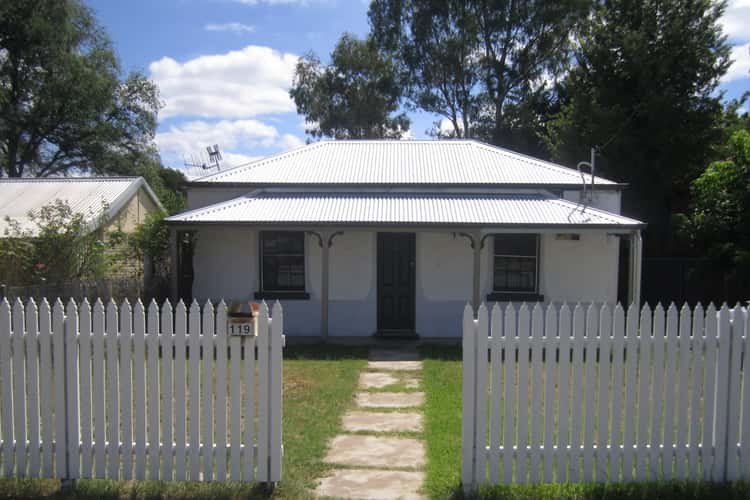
{"points": [[275, 388], [469, 399]]}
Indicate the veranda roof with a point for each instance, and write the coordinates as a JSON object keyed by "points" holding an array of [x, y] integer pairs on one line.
{"points": [[404, 209]]}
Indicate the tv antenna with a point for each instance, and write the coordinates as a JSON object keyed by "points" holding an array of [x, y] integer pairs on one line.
{"points": [[588, 197], [205, 162]]}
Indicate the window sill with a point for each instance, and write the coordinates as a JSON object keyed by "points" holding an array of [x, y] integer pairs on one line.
{"points": [[282, 295], [514, 297]]}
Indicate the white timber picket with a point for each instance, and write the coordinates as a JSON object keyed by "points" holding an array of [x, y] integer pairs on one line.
{"points": [[683, 381], [126, 397], [657, 393], [45, 386], [496, 354], [275, 387], [603, 431], [97, 397], [550, 352], [84, 375], [6, 416], [470, 409], [644, 370], [113, 410], [235, 401], [522, 450], [708, 446], [510, 379], [722, 395], [221, 392], [631, 390], [618, 396], [152, 387], [537, 326], [19, 388], [72, 441], [58, 368], [578, 382], [745, 424], [592, 333], [207, 396], [32, 384], [180, 348], [249, 402], [166, 344], [480, 423], [732, 471], [194, 382], [695, 453], [263, 413], [671, 382], [139, 388], [563, 447]]}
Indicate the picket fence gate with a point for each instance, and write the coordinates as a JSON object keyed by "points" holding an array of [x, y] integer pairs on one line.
{"points": [[138, 393], [554, 394]]}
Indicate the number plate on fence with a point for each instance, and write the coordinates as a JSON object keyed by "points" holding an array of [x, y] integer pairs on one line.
{"points": [[240, 326]]}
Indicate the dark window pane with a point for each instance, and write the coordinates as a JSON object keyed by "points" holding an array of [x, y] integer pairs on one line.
{"points": [[283, 261], [516, 244], [514, 274]]}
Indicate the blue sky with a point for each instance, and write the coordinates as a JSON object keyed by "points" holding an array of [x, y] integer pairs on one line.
{"points": [[224, 66]]}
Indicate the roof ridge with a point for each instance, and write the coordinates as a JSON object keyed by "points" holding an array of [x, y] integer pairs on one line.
{"points": [[71, 179]]}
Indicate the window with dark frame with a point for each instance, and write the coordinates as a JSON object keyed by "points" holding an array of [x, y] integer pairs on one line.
{"points": [[282, 255], [515, 263]]}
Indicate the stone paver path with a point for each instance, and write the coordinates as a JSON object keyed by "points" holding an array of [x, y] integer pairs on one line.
{"points": [[382, 454]]}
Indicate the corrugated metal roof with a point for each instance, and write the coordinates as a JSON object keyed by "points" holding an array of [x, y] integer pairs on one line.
{"points": [[454, 162], [338, 208], [86, 195]]}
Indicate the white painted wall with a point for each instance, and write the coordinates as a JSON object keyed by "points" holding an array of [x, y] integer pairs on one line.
{"points": [[199, 197], [579, 271], [604, 199], [226, 266]]}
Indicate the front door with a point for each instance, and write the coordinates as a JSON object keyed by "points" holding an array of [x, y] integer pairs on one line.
{"points": [[396, 257]]}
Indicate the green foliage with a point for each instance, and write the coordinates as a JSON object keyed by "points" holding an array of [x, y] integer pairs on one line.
{"points": [[644, 89], [355, 97], [168, 184], [150, 239], [719, 220], [64, 105], [481, 64], [64, 246]]}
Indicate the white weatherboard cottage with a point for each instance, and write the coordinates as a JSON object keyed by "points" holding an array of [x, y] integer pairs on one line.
{"points": [[357, 238]]}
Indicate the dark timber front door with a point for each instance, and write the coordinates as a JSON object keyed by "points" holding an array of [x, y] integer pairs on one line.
{"points": [[396, 256]]}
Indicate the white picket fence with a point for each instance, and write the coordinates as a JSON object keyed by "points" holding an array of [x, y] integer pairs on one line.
{"points": [[594, 393], [136, 393]]}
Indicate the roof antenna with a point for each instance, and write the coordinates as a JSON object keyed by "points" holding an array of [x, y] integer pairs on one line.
{"points": [[213, 160], [588, 198]]}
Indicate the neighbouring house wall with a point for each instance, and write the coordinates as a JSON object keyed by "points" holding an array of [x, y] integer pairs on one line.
{"points": [[133, 213], [604, 199], [226, 266]]}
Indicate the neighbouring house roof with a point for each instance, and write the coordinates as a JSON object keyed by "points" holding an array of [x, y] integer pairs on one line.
{"points": [[87, 195], [389, 162], [405, 209]]}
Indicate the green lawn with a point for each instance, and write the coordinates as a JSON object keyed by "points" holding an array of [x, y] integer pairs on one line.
{"points": [[318, 386]]}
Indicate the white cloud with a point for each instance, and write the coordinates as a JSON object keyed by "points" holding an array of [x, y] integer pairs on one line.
{"points": [[237, 28], [736, 20], [740, 67], [234, 137], [238, 84]]}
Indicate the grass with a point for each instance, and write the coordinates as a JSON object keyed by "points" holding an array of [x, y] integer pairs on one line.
{"points": [[319, 383]]}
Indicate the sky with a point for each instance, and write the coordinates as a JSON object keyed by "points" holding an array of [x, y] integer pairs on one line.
{"points": [[224, 67]]}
